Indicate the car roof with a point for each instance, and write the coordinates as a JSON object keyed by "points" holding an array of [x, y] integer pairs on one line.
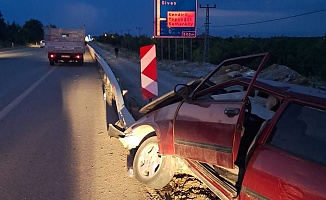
{"points": [[308, 94]]}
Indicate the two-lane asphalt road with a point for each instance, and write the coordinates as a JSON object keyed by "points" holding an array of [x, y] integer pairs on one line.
{"points": [[53, 142]]}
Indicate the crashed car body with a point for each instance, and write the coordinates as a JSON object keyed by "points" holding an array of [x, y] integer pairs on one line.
{"points": [[245, 137]]}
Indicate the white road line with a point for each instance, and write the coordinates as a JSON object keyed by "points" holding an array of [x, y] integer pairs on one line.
{"points": [[22, 96]]}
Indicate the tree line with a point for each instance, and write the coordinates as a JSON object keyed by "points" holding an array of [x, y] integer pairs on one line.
{"points": [[31, 32], [306, 55]]}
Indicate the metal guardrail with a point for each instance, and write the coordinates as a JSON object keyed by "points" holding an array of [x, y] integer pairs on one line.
{"points": [[125, 117]]}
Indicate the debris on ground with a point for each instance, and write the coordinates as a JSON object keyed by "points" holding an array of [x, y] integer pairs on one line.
{"points": [[182, 187]]}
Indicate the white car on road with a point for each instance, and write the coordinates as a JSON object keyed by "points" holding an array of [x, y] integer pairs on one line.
{"points": [[42, 44]]}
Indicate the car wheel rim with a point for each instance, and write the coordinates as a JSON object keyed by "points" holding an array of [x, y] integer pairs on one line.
{"points": [[149, 161]]}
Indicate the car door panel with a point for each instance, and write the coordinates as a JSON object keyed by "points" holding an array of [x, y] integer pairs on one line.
{"points": [[203, 132]]}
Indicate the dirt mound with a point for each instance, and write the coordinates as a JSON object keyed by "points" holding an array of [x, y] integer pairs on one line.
{"points": [[274, 72], [282, 73], [185, 68]]}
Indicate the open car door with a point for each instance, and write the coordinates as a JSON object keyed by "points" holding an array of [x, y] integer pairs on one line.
{"points": [[209, 123]]}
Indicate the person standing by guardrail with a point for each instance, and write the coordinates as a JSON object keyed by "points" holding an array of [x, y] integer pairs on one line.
{"points": [[116, 50]]}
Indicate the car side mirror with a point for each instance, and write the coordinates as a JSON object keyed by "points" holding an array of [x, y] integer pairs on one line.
{"points": [[182, 90]]}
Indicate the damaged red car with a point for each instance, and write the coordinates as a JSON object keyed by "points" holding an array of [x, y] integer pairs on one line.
{"points": [[243, 136]]}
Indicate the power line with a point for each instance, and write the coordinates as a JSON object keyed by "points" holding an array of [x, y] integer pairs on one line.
{"points": [[271, 20]]}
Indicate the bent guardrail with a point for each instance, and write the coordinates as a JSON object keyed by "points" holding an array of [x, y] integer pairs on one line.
{"points": [[111, 83]]}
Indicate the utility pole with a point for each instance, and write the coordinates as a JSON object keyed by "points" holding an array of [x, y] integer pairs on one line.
{"points": [[128, 31], [190, 49], [183, 49], [139, 30], [169, 48], [162, 49], [206, 43], [176, 49]]}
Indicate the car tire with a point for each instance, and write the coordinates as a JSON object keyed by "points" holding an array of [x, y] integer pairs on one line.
{"points": [[150, 168], [51, 62]]}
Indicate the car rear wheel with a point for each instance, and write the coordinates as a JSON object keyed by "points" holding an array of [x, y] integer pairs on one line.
{"points": [[150, 167]]}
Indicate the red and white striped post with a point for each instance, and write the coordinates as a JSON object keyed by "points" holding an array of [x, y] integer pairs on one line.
{"points": [[148, 72]]}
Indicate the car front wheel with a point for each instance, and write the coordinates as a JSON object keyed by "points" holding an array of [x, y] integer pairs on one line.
{"points": [[150, 167]]}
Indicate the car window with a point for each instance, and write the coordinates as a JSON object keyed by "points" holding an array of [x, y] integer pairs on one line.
{"points": [[228, 93], [301, 131], [263, 104], [231, 69], [228, 72]]}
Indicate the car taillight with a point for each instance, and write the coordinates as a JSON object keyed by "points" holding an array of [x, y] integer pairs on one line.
{"points": [[52, 55], [78, 56]]}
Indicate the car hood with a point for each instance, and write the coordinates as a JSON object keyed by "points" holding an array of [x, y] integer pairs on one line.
{"points": [[168, 98]]}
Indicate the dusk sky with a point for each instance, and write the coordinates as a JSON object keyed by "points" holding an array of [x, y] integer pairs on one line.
{"points": [[121, 16]]}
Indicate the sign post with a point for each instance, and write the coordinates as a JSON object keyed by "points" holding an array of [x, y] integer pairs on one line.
{"points": [[148, 72]]}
